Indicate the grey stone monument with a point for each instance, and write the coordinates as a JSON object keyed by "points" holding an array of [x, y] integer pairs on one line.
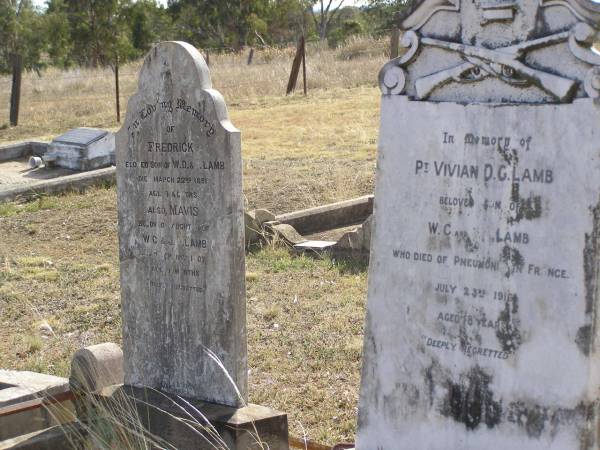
{"points": [[181, 233], [181, 239], [481, 328]]}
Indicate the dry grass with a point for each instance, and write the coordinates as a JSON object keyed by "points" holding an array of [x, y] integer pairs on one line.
{"points": [[59, 100], [59, 255], [305, 315]]}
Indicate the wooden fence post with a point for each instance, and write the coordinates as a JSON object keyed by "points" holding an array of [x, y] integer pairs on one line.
{"points": [[250, 56], [207, 58], [304, 63], [117, 89], [395, 42], [295, 67], [15, 93]]}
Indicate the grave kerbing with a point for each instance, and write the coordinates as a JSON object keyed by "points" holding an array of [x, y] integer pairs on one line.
{"points": [[481, 320]]}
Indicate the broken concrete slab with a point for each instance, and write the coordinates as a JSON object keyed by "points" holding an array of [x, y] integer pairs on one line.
{"points": [[284, 232]]}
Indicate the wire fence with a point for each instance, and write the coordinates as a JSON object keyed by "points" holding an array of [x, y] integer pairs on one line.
{"points": [[56, 100]]}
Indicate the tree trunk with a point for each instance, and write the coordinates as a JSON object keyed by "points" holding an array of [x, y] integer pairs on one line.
{"points": [[15, 93]]}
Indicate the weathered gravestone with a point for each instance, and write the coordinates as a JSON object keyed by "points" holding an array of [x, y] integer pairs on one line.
{"points": [[181, 232], [481, 326], [181, 237]]}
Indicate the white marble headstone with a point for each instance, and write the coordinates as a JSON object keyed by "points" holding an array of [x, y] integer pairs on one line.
{"points": [[481, 327], [181, 235]]}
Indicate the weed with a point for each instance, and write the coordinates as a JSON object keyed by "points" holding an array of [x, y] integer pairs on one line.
{"points": [[8, 209], [251, 276], [272, 313], [32, 344], [33, 261], [39, 274]]}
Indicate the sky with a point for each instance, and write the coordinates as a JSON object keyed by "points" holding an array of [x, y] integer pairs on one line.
{"points": [[42, 3]]}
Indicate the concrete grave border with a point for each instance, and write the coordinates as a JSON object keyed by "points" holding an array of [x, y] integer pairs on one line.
{"points": [[291, 227], [78, 181]]}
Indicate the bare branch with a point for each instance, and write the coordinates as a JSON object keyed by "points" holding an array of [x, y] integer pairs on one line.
{"points": [[314, 16], [334, 12]]}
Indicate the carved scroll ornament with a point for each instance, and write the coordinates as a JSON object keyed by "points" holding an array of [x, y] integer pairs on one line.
{"points": [[505, 63]]}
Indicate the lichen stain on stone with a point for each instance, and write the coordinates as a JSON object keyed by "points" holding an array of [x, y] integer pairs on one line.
{"points": [[584, 337], [471, 401], [471, 245], [529, 208], [370, 389], [513, 260], [508, 331], [403, 396], [531, 417], [540, 419], [434, 375], [471, 201], [508, 155]]}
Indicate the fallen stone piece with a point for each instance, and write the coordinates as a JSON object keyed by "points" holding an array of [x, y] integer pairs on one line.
{"points": [[284, 232], [357, 240], [253, 221]]}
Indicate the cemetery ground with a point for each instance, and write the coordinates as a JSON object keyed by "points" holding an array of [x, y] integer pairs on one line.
{"points": [[59, 273]]}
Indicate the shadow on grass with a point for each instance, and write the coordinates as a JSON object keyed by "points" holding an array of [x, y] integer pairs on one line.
{"points": [[350, 266]]}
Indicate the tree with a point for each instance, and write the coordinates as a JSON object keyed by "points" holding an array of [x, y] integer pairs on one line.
{"points": [[326, 14], [380, 14], [287, 20], [20, 23], [21, 45], [149, 23], [98, 30], [56, 24], [218, 23]]}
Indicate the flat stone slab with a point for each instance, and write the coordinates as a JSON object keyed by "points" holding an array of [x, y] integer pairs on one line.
{"points": [[80, 136], [19, 386], [314, 245]]}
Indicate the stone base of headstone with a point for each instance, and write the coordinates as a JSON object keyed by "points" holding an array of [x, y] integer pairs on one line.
{"points": [[168, 417]]}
